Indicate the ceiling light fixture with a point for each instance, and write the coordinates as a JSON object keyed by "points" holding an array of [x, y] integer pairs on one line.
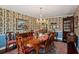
{"points": [[40, 16]]}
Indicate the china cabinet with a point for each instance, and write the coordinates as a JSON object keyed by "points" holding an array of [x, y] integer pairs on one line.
{"points": [[68, 26]]}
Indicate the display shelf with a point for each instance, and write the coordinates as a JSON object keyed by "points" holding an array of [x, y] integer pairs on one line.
{"points": [[68, 26]]}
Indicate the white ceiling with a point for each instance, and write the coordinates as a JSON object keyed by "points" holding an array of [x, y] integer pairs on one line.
{"points": [[47, 11]]}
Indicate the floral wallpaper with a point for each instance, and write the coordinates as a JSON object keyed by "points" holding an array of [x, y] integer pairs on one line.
{"points": [[8, 21]]}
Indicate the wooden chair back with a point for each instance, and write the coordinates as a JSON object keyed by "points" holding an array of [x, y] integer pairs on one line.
{"points": [[49, 42], [10, 40], [20, 44], [52, 36], [9, 35]]}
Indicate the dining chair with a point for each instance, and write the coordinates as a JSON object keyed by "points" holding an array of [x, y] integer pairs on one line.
{"points": [[48, 43], [10, 40], [44, 45], [52, 38], [22, 49]]}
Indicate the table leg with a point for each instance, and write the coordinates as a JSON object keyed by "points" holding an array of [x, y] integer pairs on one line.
{"points": [[37, 49]]}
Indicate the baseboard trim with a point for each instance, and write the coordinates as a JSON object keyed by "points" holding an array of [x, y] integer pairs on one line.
{"points": [[78, 50], [60, 39], [5, 47], [2, 48]]}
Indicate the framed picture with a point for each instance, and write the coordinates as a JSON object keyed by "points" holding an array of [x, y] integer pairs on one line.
{"points": [[20, 24]]}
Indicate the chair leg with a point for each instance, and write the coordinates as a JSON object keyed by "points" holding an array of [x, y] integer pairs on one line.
{"points": [[46, 49], [6, 48]]}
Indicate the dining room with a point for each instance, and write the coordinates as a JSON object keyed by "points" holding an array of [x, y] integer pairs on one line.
{"points": [[39, 29]]}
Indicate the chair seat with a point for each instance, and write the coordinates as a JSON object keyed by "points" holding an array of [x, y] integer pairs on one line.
{"points": [[42, 46], [11, 42], [28, 49]]}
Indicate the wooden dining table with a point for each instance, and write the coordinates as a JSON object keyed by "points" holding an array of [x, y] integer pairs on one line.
{"points": [[34, 42]]}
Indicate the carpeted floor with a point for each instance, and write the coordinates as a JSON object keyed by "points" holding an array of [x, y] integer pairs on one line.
{"points": [[58, 48], [71, 48]]}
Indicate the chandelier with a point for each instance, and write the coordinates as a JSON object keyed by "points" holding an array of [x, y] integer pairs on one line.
{"points": [[41, 20]]}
